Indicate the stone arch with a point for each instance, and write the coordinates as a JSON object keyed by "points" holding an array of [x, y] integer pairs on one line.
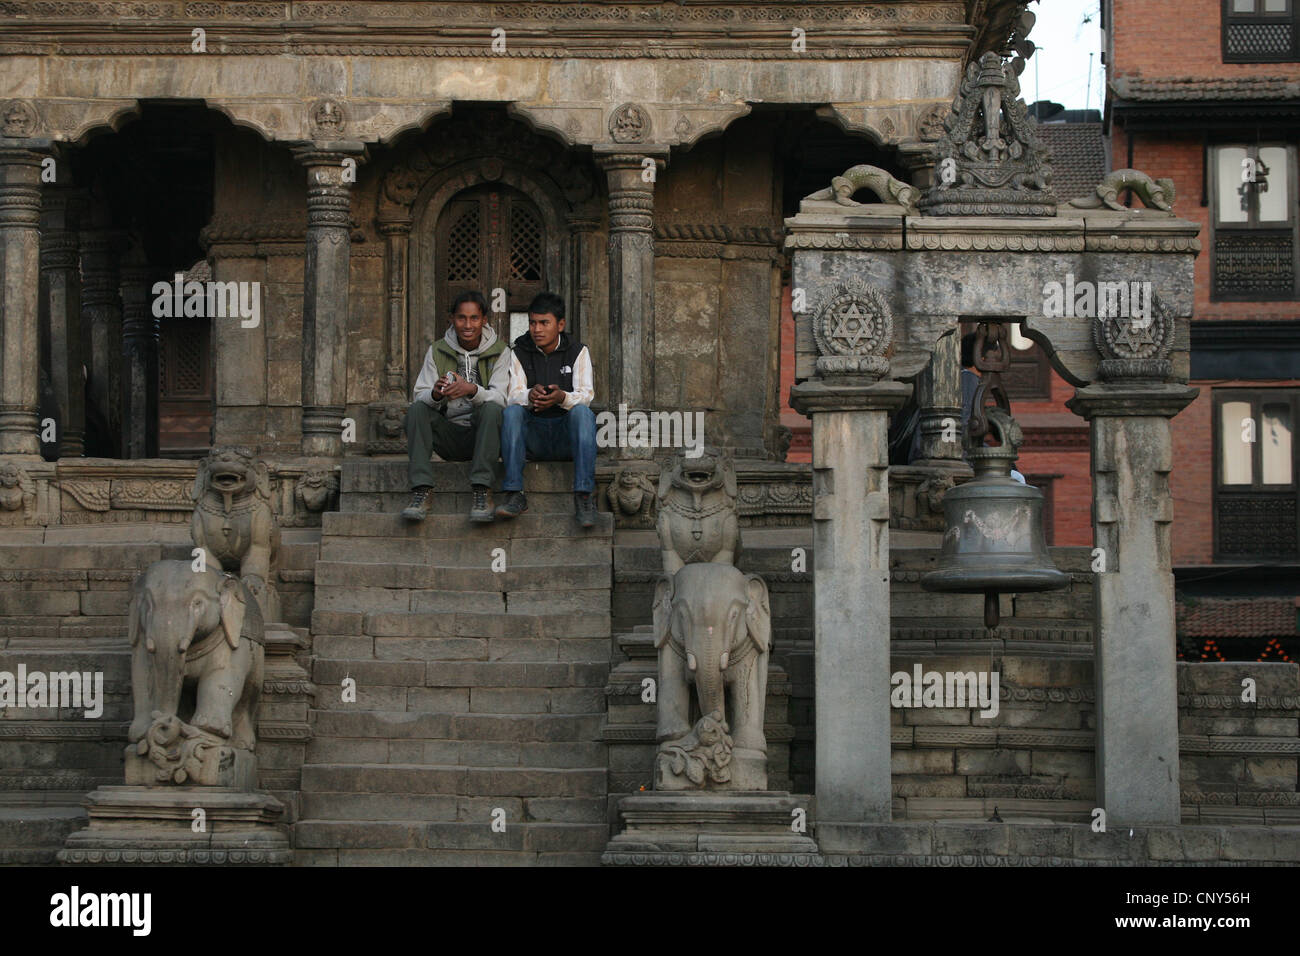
{"points": [[428, 206]]}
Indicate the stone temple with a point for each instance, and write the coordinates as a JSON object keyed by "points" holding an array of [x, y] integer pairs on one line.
{"points": [[229, 231]]}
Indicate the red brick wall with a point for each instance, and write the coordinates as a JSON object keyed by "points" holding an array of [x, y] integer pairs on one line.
{"points": [[1176, 38]]}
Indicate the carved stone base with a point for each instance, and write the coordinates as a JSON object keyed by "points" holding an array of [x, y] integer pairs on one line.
{"points": [[746, 772], [710, 829], [153, 826], [217, 766]]}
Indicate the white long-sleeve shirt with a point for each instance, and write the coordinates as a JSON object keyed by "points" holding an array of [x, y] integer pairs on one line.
{"points": [[583, 392]]}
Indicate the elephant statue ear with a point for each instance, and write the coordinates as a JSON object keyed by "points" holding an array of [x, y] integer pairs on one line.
{"points": [[233, 609], [665, 479], [263, 481], [758, 615], [729, 476], [133, 613], [200, 481], [663, 610]]}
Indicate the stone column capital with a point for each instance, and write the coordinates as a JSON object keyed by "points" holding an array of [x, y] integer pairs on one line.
{"points": [[330, 153], [1127, 400], [624, 156], [818, 395], [394, 227]]}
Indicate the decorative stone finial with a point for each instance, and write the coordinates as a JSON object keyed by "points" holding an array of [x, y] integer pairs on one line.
{"points": [[989, 161], [1154, 193], [886, 188]]}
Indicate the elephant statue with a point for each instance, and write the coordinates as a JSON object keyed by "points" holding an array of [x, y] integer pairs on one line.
{"points": [[197, 652], [713, 631]]}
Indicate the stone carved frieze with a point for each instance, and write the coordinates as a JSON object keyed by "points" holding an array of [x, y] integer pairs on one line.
{"points": [[629, 123], [853, 327], [316, 489], [17, 496], [1136, 347], [631, 497], [989, 161], [328, 120], [19, 119]]}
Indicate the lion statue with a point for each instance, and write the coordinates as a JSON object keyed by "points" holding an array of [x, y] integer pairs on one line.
{"points": [[233, 522], [697, 510]]}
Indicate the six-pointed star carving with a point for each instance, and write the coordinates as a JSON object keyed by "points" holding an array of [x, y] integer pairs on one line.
{"points": [[852, 326], [1133, 335]]}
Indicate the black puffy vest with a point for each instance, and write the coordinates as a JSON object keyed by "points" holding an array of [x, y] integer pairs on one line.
{"points": [[553, 369]]}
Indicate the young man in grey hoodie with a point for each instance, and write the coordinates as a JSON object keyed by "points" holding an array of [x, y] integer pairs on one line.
{"points": [[459, 397]]}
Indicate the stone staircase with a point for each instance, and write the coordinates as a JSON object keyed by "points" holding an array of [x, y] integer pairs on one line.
{"points": [[479, 655]]}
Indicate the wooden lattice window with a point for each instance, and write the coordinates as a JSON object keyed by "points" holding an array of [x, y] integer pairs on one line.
{"points": [[1255, 248], [490, 237], [1260, 31], [184, 387], [1255, 488]]}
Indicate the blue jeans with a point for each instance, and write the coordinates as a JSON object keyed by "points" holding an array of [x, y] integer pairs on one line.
{"points": [[564, 437]]}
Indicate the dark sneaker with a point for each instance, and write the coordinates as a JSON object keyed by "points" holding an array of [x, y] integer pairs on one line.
{"points": [[514, 505], [584, 507], [418, 509], [481, 509]]}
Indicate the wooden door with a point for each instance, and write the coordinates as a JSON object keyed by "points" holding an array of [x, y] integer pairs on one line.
{"points": [[490, 238]]}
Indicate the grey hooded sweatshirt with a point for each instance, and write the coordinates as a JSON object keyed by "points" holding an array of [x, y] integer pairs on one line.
{"points": [[448, 354]]}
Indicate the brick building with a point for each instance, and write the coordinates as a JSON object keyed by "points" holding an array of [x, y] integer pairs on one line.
{"points": [[1218, 111]]}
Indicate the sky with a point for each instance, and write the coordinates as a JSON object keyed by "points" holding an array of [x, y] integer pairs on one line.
{"points": [[1058, 71]]}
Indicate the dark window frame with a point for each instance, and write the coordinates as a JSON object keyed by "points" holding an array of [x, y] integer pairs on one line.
{"points": [[1252, 228], [1220, 493], [1229, 19]]}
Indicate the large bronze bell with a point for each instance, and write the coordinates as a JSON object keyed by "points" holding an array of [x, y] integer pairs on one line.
{"points": [[994, 538]]}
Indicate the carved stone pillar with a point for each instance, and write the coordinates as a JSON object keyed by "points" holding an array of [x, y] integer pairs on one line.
{"points": [[20, 215], [386, 415], [581, 262], [139, 360], [325, 294], [61, 316], [850, 403], [101, 333], [631, 272], [938, 393], [1132, 507]]}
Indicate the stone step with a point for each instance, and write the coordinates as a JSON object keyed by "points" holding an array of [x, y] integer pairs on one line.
{"points": [[364, 504], [33, 835], [393, 725], [537, 577], [449, 808], [461, 781], [485, 697], [441, 858], [418, 601], [565, 754], [393, 527], [389, 476], [424, 624], [472, 551], [478, 835]]}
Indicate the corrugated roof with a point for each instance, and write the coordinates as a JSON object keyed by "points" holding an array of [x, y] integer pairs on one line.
{"points": [[1078, 157], [1193, 88], [1237, 617]]}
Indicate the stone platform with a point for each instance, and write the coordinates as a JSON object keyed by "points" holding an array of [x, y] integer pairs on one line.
{"points": [[731, 827], [155, 826]]}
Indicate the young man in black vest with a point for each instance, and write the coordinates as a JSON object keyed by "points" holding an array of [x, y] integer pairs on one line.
{"points": [[548, 414], [459, 397]]}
